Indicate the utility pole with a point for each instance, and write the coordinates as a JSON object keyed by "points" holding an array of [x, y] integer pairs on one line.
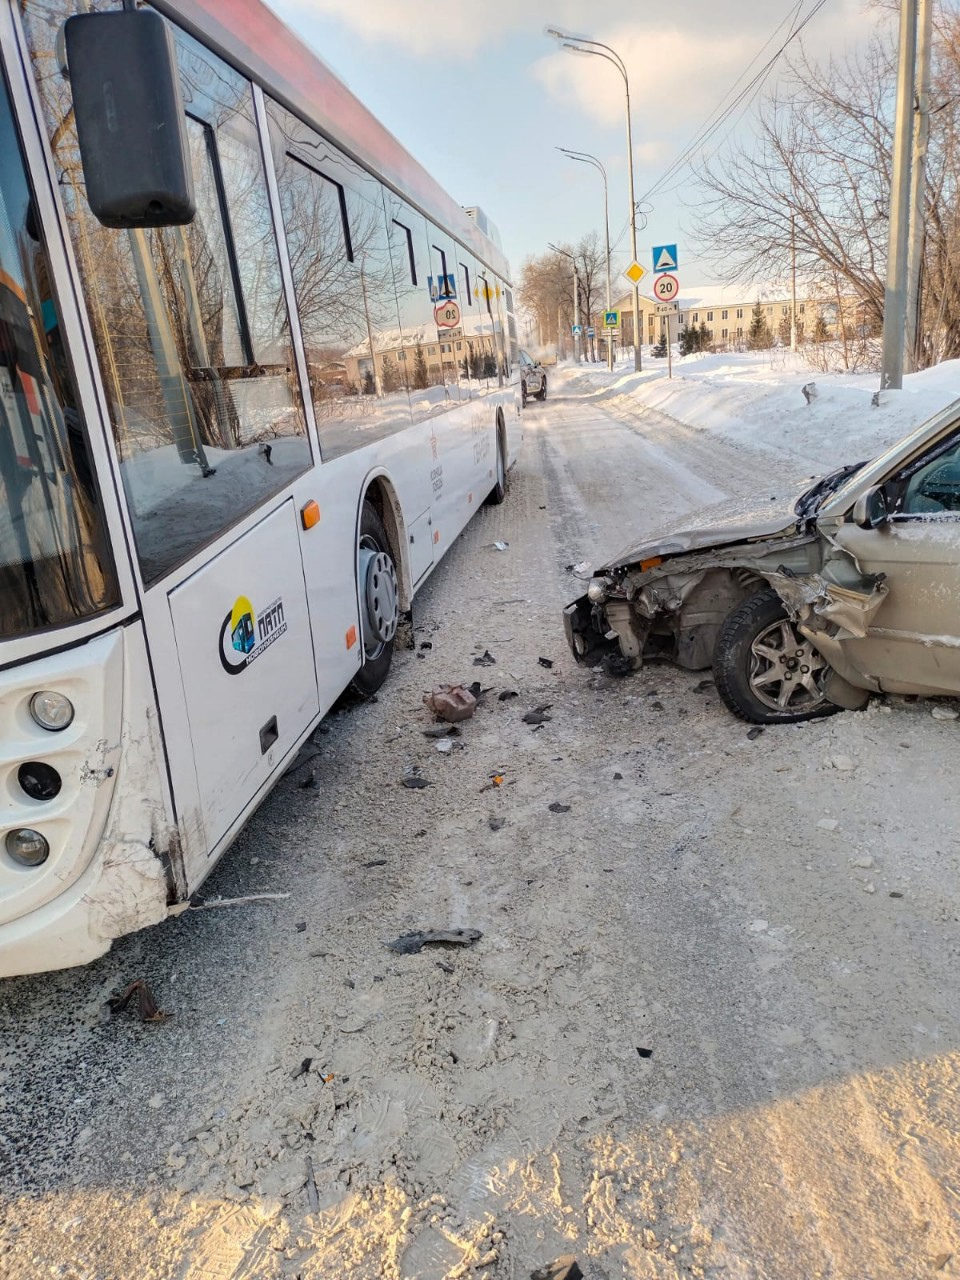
{"points": [[895, 297], [913, 339], [793, 273]]}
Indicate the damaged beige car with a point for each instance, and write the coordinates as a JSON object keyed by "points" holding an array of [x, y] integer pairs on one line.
{"points": [[806, 604]]}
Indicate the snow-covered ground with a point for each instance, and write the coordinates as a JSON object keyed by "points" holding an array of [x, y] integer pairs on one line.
{"points": [[756, 399]]}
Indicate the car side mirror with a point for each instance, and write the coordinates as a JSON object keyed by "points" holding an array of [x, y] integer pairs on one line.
{"points": [[870, 509], [131, 126]]}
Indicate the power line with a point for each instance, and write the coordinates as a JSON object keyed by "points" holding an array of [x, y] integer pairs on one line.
{"points": [[746, 96]]}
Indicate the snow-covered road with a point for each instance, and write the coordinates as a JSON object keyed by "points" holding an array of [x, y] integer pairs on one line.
{"points": [[711, 1028]]}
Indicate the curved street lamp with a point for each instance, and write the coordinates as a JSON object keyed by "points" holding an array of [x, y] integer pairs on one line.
{"points": [[580, 44], [586, 158]]}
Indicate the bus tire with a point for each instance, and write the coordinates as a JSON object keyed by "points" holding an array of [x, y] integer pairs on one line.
{"points": [[379, 593], [499, 490]]}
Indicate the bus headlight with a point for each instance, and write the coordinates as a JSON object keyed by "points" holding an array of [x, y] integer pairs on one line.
{"points": [[27, 847], [51, 710], [598, 590]]}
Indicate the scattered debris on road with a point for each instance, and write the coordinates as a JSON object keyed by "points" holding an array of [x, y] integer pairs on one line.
{"points": [[546, 662], [644, 1053], [451, 702], [507, 695], [413, 782], [486, 659], [411, 944], [565, 1268], [147, 1008], [755, 732], [539, 715], [228, 902], [557, 807], [501, 546]]}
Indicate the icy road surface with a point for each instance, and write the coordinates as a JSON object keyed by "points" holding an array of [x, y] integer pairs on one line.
{"points": [[711, 1028]]}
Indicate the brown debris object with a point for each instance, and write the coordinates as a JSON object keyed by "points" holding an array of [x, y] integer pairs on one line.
{"points": [[451, 702], [147, 1007]]}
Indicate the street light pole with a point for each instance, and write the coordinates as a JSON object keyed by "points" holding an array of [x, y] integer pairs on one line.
{"points": [[586, 158], [580, 44]]}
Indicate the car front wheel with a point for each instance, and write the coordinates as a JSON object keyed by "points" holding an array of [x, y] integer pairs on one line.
{"points": [[765, 670], [542, 393]]}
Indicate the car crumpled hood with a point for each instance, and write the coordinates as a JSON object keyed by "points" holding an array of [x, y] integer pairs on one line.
{"points": [[737, 520]]}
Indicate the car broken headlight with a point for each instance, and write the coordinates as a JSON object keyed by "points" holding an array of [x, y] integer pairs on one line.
{"points": [[598, 590]]}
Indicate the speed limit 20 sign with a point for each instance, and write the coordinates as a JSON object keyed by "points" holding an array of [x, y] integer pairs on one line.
{"points": [[666, 287]]}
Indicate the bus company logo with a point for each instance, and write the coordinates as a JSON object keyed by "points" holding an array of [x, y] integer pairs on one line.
{"points": [[245, 635]]}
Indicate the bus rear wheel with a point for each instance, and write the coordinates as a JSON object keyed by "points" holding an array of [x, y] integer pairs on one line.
{"points": [[379, 602]]}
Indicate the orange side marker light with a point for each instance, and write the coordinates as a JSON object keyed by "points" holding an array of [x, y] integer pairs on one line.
{"points": [[351, 637], [310, 514], [436, 535]]}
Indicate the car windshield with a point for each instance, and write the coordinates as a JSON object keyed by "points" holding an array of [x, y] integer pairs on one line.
{"points": [[54, 565], [811, 499]]}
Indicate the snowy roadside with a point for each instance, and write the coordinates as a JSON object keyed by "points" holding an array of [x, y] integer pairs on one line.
{"points": [[756, 399]]}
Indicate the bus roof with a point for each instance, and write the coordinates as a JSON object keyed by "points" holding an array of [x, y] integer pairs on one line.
{"points": [[259, 43]]}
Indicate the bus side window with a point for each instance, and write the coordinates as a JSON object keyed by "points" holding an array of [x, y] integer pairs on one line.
{"points": [[343, 282]]}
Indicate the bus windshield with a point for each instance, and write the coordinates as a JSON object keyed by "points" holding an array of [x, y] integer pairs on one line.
{"points": [[54, 564]]}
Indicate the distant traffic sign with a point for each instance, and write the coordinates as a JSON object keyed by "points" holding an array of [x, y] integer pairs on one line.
{"points": [[666, 288], [590, 333], [665, 257], [635, 272], [667, 308], [576, 330], [611, 319]]}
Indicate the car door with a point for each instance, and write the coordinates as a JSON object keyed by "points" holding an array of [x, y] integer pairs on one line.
{"points": [[913, 641]]}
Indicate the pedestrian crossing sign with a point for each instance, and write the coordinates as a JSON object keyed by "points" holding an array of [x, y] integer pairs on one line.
{"points": [[664, 257], [611, 319]]}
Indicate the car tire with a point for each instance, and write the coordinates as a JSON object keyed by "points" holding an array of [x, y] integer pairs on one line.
{"points": [[379, 602], [766, 672], [523, 395]]}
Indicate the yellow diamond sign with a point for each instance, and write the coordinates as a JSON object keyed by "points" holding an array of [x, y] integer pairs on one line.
{"points": [[635, 273]]}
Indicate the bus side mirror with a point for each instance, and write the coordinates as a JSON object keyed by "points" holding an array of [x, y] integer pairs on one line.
{"points": [[870, 509], [130, 121]]}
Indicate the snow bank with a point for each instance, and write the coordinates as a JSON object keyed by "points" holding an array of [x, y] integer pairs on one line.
{"points": [[756, 399]]}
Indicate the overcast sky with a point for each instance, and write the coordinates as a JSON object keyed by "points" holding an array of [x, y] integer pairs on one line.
{"points": [[481, 96]]}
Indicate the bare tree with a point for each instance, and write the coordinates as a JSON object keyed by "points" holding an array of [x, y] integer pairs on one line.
{"points": [[816, 175], [545, 290]]}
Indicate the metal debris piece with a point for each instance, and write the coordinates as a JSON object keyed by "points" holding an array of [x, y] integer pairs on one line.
{"points": [[564, 1268], [411, 944], [546, 662], [147, 1007], [313, 1195], [451, 702]]}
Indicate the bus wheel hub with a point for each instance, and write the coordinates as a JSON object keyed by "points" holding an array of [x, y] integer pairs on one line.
{"points": [[380, 595]]}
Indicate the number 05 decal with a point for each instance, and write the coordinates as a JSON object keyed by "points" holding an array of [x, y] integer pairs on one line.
{"points": [[666, 288]]}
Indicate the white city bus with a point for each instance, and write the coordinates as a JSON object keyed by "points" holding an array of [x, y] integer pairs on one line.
{"points": [[256, 375]]}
